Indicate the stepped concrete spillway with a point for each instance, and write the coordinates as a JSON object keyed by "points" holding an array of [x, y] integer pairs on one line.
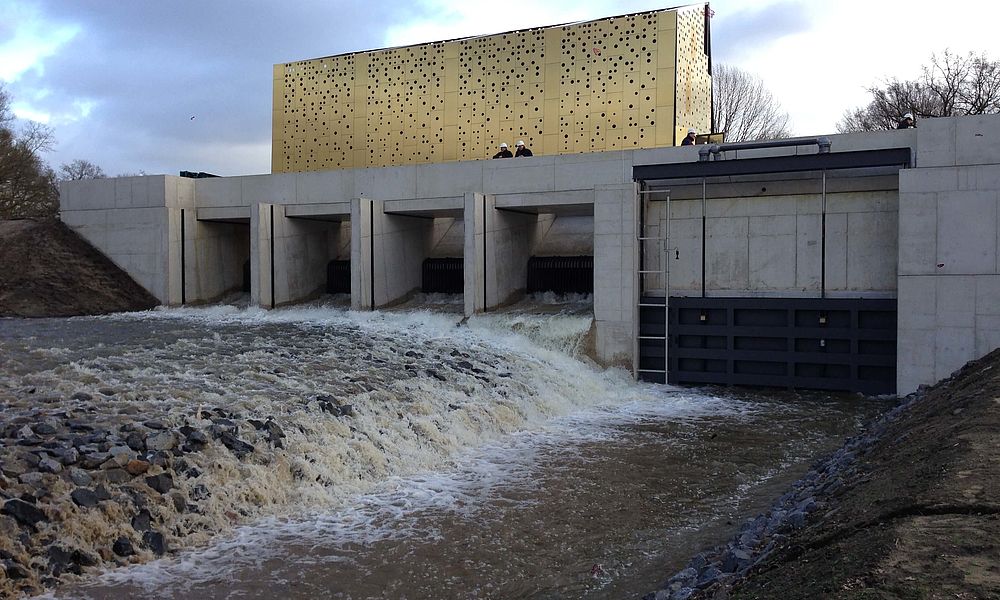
{"points": [[907, 217]]}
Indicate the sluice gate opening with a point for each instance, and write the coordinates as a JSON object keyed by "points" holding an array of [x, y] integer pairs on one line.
{"points": [[778, 271], [443, 275], [215, 256], [561, 274], [338, 277]]}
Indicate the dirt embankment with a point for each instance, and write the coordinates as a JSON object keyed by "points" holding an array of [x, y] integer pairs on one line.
{"points": [[47, 270], [914, 513]]}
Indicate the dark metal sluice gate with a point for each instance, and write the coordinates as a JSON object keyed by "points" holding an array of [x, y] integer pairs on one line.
{"points": [[443, 275], [338, 277], [846, 344], [726, 336], [561, 274]]}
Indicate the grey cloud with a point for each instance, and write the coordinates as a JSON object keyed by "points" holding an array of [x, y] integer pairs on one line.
{"points": [[149, 67], [733, 33]]}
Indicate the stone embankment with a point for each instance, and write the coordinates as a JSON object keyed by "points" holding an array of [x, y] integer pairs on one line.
{"points": [[759, 538], [80, 487], [906, 509]]}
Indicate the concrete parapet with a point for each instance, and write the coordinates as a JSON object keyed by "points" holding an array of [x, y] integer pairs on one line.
{"points": [[958, 141]]}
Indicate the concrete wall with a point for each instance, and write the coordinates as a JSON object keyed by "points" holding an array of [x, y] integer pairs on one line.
{"points": [[302, 251], [213, 260], [773, 245], [448, 238], [401, 245], [541, 175], [387, 254], [949, 251], [130, 220], [930, 234], [498, 244], [510, 242], [361, 254], [564, 235], [616, 261], [339, 240]]}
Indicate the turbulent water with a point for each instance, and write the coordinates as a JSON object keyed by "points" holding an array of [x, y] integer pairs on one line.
{"points": [[484, 459]]}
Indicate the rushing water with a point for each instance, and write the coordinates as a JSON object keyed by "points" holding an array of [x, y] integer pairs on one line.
{"points": [[482, 461]]}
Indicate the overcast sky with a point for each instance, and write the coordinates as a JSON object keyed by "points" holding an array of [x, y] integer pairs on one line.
{"points": [[163, 86]]}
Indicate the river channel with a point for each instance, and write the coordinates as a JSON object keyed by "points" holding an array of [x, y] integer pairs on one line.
{"points": [[484, 459]]}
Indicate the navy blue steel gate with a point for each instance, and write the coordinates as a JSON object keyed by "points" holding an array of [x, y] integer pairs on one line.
{"points": [[809, 343]]}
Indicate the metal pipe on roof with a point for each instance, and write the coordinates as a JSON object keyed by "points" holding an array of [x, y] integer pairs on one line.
{"points": [[713, 150]]}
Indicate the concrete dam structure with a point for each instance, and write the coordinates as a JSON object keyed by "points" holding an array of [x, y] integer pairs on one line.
{"points": [[870, 265]]}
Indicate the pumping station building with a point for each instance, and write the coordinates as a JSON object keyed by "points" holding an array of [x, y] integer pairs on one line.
{"points": [[867, 262]]}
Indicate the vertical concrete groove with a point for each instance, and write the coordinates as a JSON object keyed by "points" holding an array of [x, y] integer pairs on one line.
{"points": [[704, 229], [371, 252], [183, 261], [486, 297], [822, 257], [272, 256]]}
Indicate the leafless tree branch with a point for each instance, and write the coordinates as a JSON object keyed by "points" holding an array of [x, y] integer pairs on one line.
{"points": [[743, 108], [951, 85]]}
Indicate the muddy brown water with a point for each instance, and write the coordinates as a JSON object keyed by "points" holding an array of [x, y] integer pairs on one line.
{"points": [[601, 500]]}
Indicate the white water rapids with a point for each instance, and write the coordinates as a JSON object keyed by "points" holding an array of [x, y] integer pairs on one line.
{"points": [[473, 465]]}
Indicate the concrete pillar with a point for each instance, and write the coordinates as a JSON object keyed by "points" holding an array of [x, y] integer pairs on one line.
{"points": [[387, 254], [361, 253], [262, 216], [616, 262], [498, 245], [475, 253]]}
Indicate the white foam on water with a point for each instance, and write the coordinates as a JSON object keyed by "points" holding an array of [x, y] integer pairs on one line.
{"points": [[442, 414], [393, 509]]}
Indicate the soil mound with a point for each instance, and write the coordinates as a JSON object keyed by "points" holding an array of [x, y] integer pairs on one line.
{"points": [[918, 517], [50, 271]]}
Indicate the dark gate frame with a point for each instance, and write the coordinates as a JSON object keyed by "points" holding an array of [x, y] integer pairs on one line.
{"points": [[812, 343]]}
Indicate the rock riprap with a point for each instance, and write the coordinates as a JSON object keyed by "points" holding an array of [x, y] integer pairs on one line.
{"points": [[130, 484]]}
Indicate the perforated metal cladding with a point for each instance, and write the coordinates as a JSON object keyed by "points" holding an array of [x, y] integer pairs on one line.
{"points": [[694, 84], [594, 86]]}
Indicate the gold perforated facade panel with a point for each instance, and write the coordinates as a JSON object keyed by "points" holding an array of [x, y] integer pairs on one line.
{"points": [[625, 82]]}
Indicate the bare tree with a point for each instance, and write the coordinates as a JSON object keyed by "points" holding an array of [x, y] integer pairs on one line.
{"points": [[27, 186], [6, 115], [38, 137], [80, 169], [743, 108], [951, 85]]}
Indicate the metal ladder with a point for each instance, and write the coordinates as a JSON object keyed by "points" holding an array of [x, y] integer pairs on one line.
{"points": [[660, 246]]}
